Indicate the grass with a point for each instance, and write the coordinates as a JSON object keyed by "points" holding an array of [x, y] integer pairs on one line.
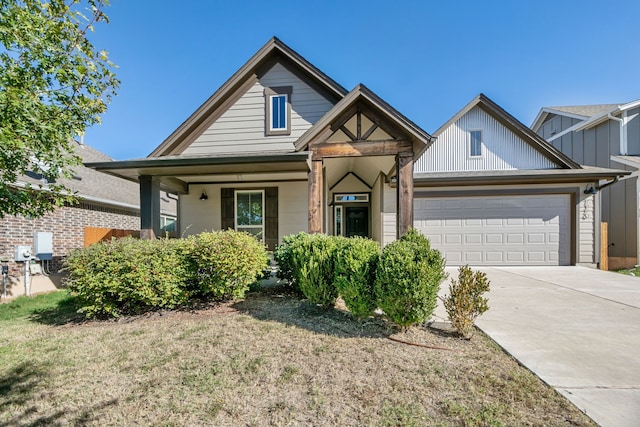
{"points": [[630, 271], [271, 359]]}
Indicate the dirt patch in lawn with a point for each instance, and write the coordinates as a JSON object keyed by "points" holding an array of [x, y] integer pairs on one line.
{"points": [[272, 359]]}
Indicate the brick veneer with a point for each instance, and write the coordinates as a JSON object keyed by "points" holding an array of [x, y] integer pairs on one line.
{"points": [[67, 225]]}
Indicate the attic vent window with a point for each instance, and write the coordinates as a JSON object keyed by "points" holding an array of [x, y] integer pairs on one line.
{"points": [[278, 110]]}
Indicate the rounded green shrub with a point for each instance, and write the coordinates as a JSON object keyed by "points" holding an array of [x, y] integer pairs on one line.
{"points": [[128, 276], [283, 255], [408, 277], [355, 263], [227, 262], [312, 257]]}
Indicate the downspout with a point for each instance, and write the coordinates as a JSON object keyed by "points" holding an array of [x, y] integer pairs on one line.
{"points": [[623, 135], [605, 185]]}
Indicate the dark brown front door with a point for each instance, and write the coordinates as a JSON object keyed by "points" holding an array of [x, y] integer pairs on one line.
{"points": [[356, 221]]}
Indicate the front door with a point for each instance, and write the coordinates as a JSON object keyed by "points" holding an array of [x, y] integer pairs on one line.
{"points": [[356, 221]]}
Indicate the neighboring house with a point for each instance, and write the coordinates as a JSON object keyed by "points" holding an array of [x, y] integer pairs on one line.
{"points": [[104, 202], [282, 148], [606, 136]]}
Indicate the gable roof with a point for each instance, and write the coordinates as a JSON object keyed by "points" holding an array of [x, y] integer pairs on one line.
{"points": [[92, 185], [360, 93], [515, 126], [591, 115], [272, 50]]}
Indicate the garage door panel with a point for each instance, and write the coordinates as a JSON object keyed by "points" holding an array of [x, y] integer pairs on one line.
{"points": [[492, 230]]}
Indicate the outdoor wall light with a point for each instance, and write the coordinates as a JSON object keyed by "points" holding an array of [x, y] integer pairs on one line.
{"points": [[590, 190], [204, 196]]}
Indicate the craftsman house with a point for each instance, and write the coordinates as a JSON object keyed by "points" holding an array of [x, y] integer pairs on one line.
{"points": [[282, 148]]}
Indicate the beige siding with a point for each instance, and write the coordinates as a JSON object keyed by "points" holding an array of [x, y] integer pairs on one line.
{"points": [[242, 127], [389, 216], [502, 149], [586, 233], [376, 210], [197, 215]]}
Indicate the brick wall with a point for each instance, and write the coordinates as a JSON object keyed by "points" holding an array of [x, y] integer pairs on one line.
{"points": [[67, 225]]}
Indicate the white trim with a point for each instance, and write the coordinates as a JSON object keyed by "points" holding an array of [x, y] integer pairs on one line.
{"points": [[272, 111], [545, 111], [235, 212], [337, 208], [561, 134], [469, 142]]}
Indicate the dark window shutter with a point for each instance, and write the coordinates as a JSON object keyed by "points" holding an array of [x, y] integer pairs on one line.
{"points": [[271, 217], [227, 205]]}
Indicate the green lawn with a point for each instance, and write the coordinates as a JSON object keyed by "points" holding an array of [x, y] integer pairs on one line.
{"points": [[272, 359]]}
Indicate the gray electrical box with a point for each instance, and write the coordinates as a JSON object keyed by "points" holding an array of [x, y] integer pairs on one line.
{"points": [[43, 245], [22, 254]]}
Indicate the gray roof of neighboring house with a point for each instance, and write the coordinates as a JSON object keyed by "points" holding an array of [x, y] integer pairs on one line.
{"points": [[585, 110], [91, 185]]}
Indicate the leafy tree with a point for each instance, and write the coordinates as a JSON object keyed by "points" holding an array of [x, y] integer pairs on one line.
{"points": [[53, 85]]}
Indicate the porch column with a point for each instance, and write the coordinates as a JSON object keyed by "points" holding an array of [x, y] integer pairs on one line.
{"points": [[315, 196], [149, 207], [404, 162]]}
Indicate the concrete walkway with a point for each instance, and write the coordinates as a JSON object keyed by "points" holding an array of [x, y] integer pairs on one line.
{"points": [[577, 328]]}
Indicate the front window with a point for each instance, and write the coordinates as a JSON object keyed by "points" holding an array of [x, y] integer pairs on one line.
{"points": [[249, 212], [278, 112], [475, 146]]}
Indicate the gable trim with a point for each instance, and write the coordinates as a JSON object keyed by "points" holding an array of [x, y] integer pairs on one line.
{"points": [[515, 126], [249, 71], [419, 137]]}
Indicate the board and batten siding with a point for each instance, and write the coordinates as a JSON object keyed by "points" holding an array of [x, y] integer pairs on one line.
{"points": [[501, 148], [594, 147], [242, 127], [556, 124]]}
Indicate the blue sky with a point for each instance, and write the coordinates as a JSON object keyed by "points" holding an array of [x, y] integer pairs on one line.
{"points": [[426, 58]]}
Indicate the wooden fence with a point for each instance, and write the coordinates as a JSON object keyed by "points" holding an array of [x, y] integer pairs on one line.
{"points": [[96, 234], [604, 246]]}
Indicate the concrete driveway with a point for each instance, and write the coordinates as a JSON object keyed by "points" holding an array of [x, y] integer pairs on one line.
{"points": [[577, 328]]}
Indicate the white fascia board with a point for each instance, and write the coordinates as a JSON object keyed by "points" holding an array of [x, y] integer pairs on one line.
{"points": [[626, 162], [542, 115], [597, 119]]}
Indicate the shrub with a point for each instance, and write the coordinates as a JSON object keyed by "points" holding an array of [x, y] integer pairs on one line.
{"points": [[312, 257], [408, 277], [128, 276], [283, 255], [465, 302], [227, 262], [355, 264]]}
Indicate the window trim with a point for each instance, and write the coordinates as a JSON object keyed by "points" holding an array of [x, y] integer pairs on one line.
{"points": [[471, 155], [237, 227], [269, 93]]}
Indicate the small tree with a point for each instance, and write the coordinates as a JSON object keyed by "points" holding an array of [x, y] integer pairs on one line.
{"points": [[465, 302], [53, 85]]}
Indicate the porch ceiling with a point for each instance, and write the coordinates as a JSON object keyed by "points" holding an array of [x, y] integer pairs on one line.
{"points": [[176, 172], [367, 168]]}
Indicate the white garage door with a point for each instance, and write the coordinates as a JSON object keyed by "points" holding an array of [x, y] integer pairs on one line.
{"points": [[497, 230]]}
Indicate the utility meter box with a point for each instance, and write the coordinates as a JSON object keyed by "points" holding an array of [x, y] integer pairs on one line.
{"points": [[43, 245], [23, 253]]}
